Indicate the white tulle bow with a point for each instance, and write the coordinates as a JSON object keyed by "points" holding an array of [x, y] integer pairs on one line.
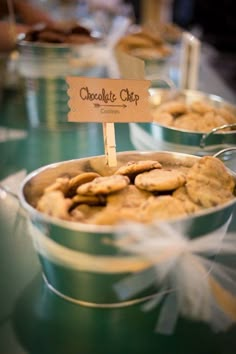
{"points": [[190, 275]]}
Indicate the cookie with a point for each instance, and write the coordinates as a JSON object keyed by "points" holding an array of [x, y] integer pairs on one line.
{"points": [[182, 195], [133, 41], [55, 204], [84, 212], [77, 29], [163, 118], [170, 32], [88, 199], [160, 180], [50, 36], [162, 208], [188, 121], [209, 183], [129, 197], [201, 107], [61, 184], [210, 121], [175, 108], [133, 168], [112, 216], [151, 53], [82, 178], [197, 116], [229, 116], [104, 185], [149, 35]]}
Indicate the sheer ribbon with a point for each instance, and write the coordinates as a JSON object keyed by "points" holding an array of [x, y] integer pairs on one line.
{"points": [[192, 277]]}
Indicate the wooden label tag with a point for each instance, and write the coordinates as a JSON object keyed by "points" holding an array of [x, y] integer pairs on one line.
{"points": [[108, 100]]}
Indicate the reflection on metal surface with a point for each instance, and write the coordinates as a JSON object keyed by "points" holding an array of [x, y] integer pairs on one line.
{"points": [[44, 67]]}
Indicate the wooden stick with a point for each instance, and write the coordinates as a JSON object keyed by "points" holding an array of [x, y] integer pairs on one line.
{"points": [[189, 64], [194, 59], [110, 144]]}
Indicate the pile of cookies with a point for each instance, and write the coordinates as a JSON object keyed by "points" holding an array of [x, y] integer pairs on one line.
{"points": [[141, 191], [197, 116], [70, 33], [144, 44], [170, 32]]}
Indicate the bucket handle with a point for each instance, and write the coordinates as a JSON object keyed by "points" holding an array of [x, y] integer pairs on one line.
{"points": [[206, 135], [223, 151]]}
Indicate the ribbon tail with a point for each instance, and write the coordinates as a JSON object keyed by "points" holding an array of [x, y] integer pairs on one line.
{"points": [[221, 280], [168, 315], [213, 242], [155, 301], [223, 298], [192, 288], [228, 245], [225, 275], [220, 321], [134, 284]]}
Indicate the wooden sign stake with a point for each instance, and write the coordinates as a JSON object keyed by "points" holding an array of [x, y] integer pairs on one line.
{"points": [[189, 61], [110, 143]]}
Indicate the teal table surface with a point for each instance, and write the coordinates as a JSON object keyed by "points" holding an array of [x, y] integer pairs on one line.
{"points": [[33, 320]]}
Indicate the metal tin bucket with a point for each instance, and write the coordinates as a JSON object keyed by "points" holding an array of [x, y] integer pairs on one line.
{"points": [[44, 67], [95, 264], [156, 136]]}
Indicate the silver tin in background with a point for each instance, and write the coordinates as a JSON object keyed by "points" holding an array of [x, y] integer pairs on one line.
{"points": [[44, 67], [154, 136]]}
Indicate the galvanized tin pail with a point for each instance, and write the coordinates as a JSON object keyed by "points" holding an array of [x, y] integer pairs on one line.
{"points": [[44, 67], [82, 262], [155, 136]]}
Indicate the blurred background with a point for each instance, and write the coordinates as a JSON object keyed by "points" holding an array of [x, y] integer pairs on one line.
{"points": [[212, 21]]}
